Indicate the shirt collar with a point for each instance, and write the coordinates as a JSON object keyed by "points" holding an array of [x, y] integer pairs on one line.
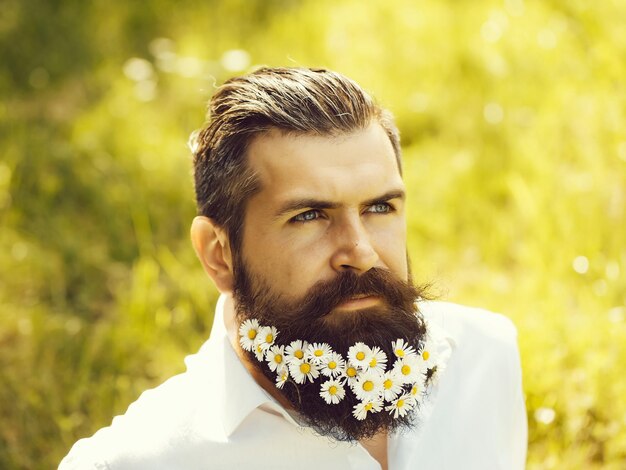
{"points": [[241, 394]]}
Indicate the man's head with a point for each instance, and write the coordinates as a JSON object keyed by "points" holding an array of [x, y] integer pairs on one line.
{"points": [[299, 187]]}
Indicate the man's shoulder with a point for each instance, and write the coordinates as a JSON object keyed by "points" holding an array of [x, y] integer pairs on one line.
{"points": [[168, 417]]}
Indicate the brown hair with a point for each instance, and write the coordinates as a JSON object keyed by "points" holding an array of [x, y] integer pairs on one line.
{"points": [[293, 100]]}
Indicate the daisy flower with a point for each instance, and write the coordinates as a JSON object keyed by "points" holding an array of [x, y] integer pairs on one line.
{"points": [[368, 385], [360, 355], [408, 369], [402, 349], [275, 357], [282, 378], [350, 373], [318, 352], [416, 390], [258, 351], [378, 360], [428, 355], [266, 336], [332, 392], [247, 333], [295, 350], [333, 366], [401, 406], [392, 385], [302, 371], [369, 406]]}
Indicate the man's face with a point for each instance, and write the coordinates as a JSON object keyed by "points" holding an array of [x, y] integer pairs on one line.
{"points": [[323, 259], [327, 205]]}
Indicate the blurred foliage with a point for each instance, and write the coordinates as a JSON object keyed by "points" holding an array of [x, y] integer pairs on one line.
{"points": [[513, 120]]}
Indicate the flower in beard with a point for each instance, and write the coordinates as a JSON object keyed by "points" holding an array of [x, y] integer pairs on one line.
{"points": [[318, 352], [282, 377], [428, 354], [275, 357], [332, 391], [361, 410], [247, 334], [368, 385], [334, 365], [402, 349], [392, 385], [409, 369], [258, 350], [360, 355], [266, 336], [295, 351], [304, 370], [350, 374], [401, 406], [378, 360], [417, 390]]}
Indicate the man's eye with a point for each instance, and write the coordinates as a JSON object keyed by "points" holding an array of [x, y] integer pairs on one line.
{"points": [[380, 208], [306, 216]]}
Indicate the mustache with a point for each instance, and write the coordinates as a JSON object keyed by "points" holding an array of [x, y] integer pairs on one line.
{"points": [[324, 296]]}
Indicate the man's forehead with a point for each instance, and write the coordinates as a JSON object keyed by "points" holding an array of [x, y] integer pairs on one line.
{"points": [[292, 165]]}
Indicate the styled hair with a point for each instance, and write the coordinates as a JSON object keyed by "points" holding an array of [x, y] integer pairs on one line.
{"points": [[293, 100]]}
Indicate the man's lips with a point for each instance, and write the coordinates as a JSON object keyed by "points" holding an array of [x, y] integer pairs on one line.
{"points": [[358, 302]]}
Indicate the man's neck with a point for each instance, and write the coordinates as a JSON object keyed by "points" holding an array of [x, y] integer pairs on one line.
{"points": [[376, 446]]}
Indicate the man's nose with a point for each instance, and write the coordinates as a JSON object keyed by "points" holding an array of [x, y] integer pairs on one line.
{"points": [[354, 249]]}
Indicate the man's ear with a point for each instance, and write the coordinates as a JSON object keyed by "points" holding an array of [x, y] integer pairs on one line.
{"points": [[213, 249]]}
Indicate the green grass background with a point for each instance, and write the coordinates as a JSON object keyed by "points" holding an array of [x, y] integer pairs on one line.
{"points": [[513, 121]]}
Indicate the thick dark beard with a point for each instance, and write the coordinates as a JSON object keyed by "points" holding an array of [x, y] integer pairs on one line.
{"points": [[312, 319]]}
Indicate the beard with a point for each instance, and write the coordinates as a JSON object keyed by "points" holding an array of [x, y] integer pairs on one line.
{"points": [[313, 318]]}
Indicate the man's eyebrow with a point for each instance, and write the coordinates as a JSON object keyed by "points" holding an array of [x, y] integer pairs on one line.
{"points": [[388, 196], [310, 203]]}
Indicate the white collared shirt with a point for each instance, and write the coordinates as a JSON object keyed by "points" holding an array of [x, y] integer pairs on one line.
{"points": [[215, 416]]}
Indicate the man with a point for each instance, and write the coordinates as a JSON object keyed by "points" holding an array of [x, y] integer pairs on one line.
{"points": [[324, 353]]}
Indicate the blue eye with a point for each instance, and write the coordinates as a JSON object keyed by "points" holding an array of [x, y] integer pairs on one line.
{"points": [[306, 216], [380, 208]]}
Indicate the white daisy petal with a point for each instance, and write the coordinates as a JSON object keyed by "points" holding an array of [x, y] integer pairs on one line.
{"points": [[333, 366], [378, 360], [361, 409], [266, 336], [295, 350], [401, 406], [408, 368], [318, 352], [332, 391], [303, 371], [275, 357], [402, 349], [392, 385], [247, 333], [360, 355], [282, 378], [368, 385]]}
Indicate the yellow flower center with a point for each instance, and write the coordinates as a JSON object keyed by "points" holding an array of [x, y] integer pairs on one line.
{"points": [[305, 368], [332, 390], [351, 372], [318, 352], [425, 355], [299, 354], [369, 406], [400, 352], [278, 358], [269, 338], [332, 365], [388, 383], [373, 362], [400, 403], [360, 355], [251, 334], [368, 385], [406, 370], [414, 390]]}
